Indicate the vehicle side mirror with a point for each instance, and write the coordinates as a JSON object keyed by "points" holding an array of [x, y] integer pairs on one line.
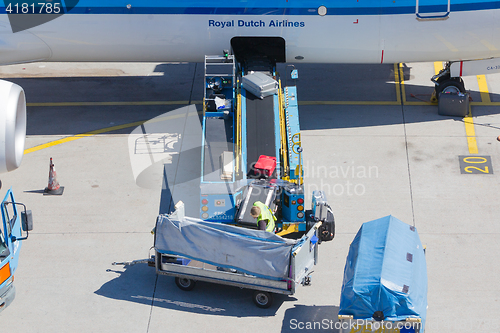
{"points": [[27, 220]]}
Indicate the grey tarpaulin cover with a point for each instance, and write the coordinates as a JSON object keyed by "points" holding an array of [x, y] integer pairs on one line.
{"points": [[255, 252]]}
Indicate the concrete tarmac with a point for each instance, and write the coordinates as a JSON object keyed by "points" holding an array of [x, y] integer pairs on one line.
{"points": [[371, 141]]}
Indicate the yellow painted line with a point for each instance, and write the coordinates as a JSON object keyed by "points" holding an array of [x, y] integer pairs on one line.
{"points": [[51, 144], [349, 103], [400, 91], [402, 80], [468, 120], [420, 103], [104, 130], [397, 102], [469, 125], [486, 104], [483, 89], [396, 80], [132, 103], [471, 133], [80, 136], [403, 90], [471, 141]]}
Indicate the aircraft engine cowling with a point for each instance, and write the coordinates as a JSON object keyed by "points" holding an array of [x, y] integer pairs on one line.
{"points": [[12, 125]]}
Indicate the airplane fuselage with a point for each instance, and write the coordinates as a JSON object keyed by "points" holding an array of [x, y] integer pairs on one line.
{"points": [[363, 31]]}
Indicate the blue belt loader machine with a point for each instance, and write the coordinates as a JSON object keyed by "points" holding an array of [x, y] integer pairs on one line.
{"points": [[248, 118], [241, 131], [385, 280]]}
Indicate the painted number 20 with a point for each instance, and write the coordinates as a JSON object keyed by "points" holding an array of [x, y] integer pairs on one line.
{"points": [[470, 168], [476, 165]]}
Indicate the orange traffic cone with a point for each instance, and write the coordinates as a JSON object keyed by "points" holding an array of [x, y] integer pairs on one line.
{"points": [[53, 188]]}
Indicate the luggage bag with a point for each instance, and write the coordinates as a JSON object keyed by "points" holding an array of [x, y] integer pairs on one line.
{"points": [[453, 104], [265, 166], [260, 84], [259, 190]]}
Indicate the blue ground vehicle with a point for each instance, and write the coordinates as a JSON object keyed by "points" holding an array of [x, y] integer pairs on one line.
{"points": [[385, 280], [239, 129], [16, 223], [251, 151]]}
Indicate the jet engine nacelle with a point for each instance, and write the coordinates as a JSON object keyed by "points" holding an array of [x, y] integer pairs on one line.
{"points": [[12, 125]]}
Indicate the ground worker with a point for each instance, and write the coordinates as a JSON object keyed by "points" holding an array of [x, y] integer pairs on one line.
{"points": [[265, 218]]}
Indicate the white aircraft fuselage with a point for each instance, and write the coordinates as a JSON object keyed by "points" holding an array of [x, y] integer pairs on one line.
{"points": [[331, 31]]}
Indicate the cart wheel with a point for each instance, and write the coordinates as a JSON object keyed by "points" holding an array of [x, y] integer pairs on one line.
{"points": [[263, 299], [185, 284]]}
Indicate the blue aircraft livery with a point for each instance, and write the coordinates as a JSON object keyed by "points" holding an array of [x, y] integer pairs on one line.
{"points": [[259, 7]]}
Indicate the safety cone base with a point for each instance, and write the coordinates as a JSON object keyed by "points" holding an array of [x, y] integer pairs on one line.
{"points": [[59, 191]]}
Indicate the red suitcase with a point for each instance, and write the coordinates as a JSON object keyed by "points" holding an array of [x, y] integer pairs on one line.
{"points": [[265, 165]]}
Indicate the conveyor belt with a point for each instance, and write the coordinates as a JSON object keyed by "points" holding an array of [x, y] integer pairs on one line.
{"points": [[260, 128], [218, 138], [258, 191]]}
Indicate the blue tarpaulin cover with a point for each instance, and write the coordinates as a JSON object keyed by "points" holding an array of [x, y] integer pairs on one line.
{"points": [[385, 271]]}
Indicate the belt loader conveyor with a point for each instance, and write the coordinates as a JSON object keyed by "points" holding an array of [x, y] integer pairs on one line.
{"points": [[237, 129], [234, 139]]}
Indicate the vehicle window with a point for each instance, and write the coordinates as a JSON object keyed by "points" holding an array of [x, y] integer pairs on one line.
{"points": [[10, 215], [8, 211], [4, 250]]}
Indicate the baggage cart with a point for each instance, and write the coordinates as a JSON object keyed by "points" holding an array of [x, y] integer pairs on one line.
{"points": [[194, 250], [385, 280]]}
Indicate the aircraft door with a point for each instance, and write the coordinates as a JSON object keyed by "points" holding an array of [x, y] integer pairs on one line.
{"points": [[432, 9]]}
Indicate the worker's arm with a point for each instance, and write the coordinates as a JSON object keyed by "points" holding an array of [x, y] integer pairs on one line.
{"points": [[263, 225]]}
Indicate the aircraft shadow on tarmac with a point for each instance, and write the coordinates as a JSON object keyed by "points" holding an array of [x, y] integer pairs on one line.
{"points": [[184, 82], [187, 188], [371, 83], [174, 82], [139, 284]]}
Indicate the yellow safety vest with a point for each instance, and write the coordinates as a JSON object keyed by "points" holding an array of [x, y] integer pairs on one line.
{"points": [[265, 214]]}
